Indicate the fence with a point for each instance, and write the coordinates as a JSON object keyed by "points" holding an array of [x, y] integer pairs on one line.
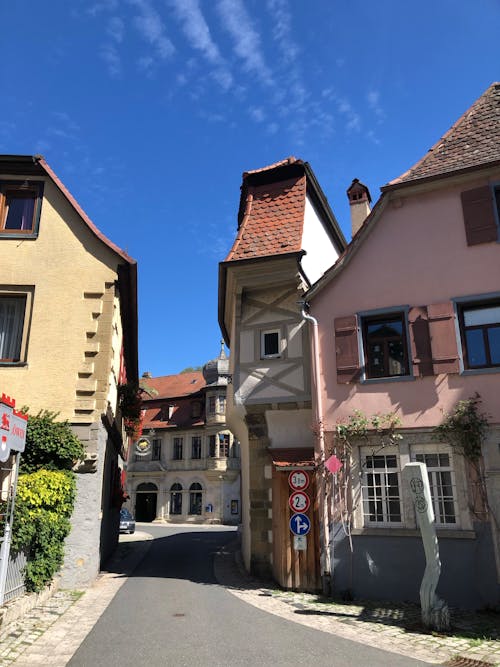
{"points": [[14, 585]]}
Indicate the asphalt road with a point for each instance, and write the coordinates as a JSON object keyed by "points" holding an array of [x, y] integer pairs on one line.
{"points": [[171, 611]]}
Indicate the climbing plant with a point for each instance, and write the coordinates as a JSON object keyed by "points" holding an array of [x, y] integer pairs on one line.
{"points": [[464, 428]]}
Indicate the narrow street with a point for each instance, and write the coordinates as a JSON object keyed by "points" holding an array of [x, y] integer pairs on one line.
{"points": [[172, 611]]}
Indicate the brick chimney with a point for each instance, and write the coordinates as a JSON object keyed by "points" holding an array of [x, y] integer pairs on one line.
{"points": [[359, 199]]}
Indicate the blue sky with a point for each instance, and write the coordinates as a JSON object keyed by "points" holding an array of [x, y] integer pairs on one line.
{"points": [[150, 110]]}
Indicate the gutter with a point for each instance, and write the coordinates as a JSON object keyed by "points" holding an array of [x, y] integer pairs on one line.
{"points": [[325, 558]]}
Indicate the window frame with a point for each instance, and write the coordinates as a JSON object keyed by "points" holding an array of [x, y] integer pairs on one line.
{"points": [[196, 495], [462, 304], [25, 292], [368, 451], [37, 188], [198, 447], [177, 448], [435, 484], [156, 449], [367, 317], [263, 334], [176, 499]]}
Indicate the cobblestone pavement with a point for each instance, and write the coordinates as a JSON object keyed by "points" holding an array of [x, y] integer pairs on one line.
{"points": [[51, 633]]}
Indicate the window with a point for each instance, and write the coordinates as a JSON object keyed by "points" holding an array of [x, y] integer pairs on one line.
{"points": [[176, 499], [222, 405], [20, 203], [480, 330], [12, 310], [196, 447], [196, 409], [381, 489], [195, 498], [224, 444], [212, 404], [177, 449], [156, 451], [270, 344], [212, 442], [441, 482], [385, 347]]}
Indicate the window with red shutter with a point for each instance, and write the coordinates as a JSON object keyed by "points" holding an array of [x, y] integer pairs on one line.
{"points": [[420, 341], [480, 217], [443, 338], [346, 349]]}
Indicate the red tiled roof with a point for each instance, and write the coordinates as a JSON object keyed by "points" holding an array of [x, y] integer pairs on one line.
{"points": [[472, 141], [273, 213], [174, 386], [181, 415], [292, 457]]}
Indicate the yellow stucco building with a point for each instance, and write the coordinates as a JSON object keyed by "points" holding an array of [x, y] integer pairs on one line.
{"points": [[68, 337]]}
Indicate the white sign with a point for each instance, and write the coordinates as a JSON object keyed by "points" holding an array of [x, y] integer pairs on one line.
{"points": [[12, 428], [299, 501], [298, 480], [300, 542]]}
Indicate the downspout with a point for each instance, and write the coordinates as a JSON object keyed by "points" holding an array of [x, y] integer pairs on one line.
{"points": [[324, 522]]}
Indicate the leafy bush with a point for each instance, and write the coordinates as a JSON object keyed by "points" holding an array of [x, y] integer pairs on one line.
{"points": [[50, 445], [44, 504]]}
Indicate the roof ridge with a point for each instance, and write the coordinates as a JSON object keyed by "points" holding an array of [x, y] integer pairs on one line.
{"points": [[433, 151], [291, 159]]}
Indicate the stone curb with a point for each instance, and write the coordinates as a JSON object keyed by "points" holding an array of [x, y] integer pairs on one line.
{"points": [[15, 609]]}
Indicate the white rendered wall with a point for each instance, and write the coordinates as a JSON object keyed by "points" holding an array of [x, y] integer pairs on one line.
{"points": [[321, 252]]}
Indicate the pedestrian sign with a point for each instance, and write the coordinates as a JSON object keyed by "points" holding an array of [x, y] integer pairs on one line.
{"points": [[299, 501], [300, 524]]}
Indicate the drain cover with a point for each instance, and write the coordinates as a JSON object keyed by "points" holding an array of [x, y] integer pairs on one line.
{"points": [[181, 615], [467, 662]]}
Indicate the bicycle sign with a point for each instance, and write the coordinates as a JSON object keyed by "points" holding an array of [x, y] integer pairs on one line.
{"points": [[300, 524], [299, 501], [298, 480]]}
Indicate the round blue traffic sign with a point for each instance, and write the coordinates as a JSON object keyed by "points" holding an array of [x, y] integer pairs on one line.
{"points": [[300, 524]]}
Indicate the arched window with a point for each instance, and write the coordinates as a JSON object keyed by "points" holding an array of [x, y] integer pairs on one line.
{"points": [[176, 499], [195, 491]]}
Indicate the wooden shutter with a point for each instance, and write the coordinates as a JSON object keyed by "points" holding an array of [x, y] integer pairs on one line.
{"points": [[346, 349], [479, 216], [443, 338], [420, 340]]}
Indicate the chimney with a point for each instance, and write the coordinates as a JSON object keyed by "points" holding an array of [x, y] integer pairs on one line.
{"points": [[359, 199]]}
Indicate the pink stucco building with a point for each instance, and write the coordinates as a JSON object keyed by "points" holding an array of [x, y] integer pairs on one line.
{"points": [[408, 322]]}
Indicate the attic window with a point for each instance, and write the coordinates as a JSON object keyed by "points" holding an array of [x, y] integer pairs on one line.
{"points": [[20, 203]]}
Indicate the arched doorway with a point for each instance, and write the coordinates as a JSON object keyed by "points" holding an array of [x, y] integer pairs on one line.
{"points": [[145, 502]]}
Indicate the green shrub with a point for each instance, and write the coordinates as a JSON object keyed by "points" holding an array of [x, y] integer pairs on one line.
{"points": [[50, 445], [44, 504]]}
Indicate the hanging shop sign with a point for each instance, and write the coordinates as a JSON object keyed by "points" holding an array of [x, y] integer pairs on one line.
{"points": [[142, 447], [13, 425]]}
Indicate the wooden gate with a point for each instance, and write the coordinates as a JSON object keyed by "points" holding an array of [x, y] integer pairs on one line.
{"points": [[296, 570]]}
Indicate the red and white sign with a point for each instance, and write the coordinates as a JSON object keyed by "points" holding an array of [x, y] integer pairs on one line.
{"points": [[298, 480], [12, 428], [299, 501]]}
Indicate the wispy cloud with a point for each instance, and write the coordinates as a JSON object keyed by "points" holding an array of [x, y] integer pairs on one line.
{"points": [[150, 25], [197, 32], [247, 43], [257, 113], [282, 29], [116, 29], [373, 99]]}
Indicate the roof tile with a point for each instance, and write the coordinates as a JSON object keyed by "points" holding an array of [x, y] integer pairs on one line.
{"points": [[474, 140]]}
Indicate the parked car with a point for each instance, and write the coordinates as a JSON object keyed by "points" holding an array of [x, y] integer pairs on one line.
{"points": [[127, 522]]}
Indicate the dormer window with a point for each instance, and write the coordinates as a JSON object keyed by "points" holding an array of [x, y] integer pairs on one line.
{"points": [[196, 409], [20, 203]]}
